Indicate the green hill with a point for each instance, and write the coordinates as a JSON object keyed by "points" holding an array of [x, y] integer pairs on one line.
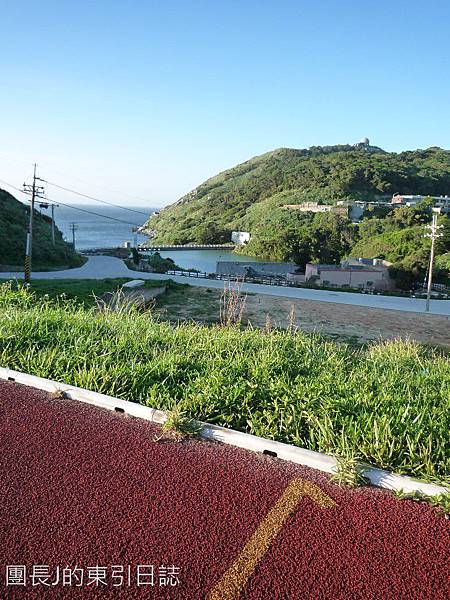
{"points": [[14, 218], [249, 195], [400, 238]]}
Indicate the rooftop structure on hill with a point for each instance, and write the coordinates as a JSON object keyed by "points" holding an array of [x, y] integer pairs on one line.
{"points": [[442, 202], [316, 207], [364, 144]]}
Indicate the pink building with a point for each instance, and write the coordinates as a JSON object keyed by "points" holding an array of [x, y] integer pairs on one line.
{"points": [[370, 274]]}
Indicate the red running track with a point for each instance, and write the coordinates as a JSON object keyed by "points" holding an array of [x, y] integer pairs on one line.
{"points": [[83, 487]]}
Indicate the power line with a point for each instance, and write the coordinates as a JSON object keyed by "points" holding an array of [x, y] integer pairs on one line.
{"points": [[90, 212], [12, 186], [71, 176], [73, 207], [140, 212], [102, 187]]}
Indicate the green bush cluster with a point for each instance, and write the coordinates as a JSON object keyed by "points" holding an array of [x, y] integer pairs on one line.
{"points": [[14, 218]]}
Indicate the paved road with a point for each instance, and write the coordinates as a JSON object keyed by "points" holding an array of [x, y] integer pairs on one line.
{"points": [[101, 267], [91, 492]]}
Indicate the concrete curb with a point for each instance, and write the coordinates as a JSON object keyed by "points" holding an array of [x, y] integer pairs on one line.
{"points": [[301, 456], [76, 393]]}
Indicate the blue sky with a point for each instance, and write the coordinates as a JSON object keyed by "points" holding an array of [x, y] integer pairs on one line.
{"points": [[151, 98]]}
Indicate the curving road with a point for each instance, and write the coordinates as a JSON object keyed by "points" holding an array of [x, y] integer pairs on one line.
{"points": [[102, 267]]}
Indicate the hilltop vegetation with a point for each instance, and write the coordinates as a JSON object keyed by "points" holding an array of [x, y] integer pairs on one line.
{"points": [[288, 176], [250, 197], [13, 229]]}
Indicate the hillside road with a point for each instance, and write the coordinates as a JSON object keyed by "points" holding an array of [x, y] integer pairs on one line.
{"points": [[103, 267]]}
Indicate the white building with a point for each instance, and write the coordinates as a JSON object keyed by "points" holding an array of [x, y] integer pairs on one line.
{"points": [[442, 202], [240, 237]]}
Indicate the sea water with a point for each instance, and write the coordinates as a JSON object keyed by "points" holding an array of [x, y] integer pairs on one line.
{"points": [[110, 227]]}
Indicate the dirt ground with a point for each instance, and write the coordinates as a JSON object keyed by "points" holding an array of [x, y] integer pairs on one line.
{"points": [[342, 322]]}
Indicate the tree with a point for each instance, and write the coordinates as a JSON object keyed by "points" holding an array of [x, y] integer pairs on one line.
{"points": [[404, 279], [210, 233]]}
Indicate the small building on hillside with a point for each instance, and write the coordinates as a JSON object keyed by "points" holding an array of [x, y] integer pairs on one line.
{"points": [[314, 207], [411, 200], [358, 273], [240, 237], [353, 209], [340, 208]]}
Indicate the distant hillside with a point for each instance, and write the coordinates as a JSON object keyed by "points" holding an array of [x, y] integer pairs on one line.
{"points": [[399, 238], [250, 194], [14, 218]]}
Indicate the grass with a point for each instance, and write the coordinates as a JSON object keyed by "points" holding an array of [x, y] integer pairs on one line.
{"points": [[388, 404], [14, 217], [179, 425], [83, 290], [440, 501], [349, 473], [186, 302], [44, 267]]}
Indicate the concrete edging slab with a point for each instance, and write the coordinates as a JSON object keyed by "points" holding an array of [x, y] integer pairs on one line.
{"points": [[301, 456]]}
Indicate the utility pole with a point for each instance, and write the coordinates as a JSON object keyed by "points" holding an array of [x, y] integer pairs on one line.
{"points": [[53, 223], [73, 227], [46, 205], [135, 230], [35, 191], [434, 233]]}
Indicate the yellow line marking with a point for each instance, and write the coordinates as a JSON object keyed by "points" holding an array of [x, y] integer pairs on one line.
{"points": [[232, 582]]}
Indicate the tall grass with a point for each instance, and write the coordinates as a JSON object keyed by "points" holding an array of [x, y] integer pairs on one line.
{"points": [[387, 404], [232, 304]]}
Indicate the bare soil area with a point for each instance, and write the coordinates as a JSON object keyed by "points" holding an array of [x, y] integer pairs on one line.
{"points": [[348, 322], [338, 321]]}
